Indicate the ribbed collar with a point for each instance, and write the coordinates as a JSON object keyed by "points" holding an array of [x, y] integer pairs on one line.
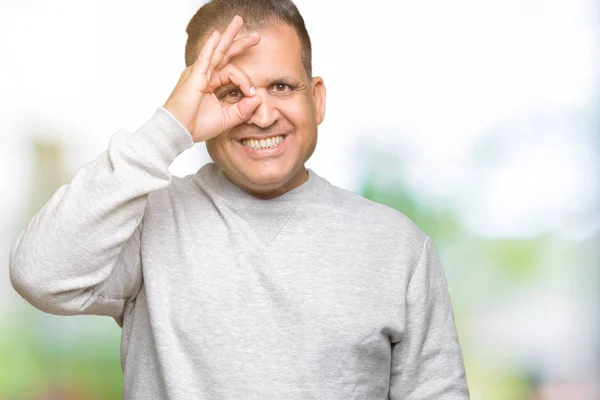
{"points": [[212, 175]]}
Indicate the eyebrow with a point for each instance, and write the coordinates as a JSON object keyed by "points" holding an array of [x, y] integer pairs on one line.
{"points": [[271, 80], [284, 78]]}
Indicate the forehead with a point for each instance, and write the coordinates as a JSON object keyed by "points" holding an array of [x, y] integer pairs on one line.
{"points": [[279, 53]]}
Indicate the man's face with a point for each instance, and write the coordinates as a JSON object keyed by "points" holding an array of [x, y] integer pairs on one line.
{"points": [[292, 107]]}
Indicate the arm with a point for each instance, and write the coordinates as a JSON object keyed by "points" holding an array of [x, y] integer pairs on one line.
{"points": [[427, 362], [80, 254]]}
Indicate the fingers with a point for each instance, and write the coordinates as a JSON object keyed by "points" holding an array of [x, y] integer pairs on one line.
{"points": [[238, 46], [202, 64], [241, 111], [220, 48], [232, 75], [226, 40]]}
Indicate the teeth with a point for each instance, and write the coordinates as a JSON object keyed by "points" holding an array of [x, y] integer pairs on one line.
{"points": [[263, 144]]}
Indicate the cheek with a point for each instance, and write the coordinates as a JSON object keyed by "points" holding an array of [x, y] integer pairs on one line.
{"points": [[298, 111], [215, 146]]}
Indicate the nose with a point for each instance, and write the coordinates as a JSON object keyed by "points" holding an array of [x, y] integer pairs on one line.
{"points": [[265, 114]]}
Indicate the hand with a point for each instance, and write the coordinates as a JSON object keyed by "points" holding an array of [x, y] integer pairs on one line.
{"points": [[193, 101]]}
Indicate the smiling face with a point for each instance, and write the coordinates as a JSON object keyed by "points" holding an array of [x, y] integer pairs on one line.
{"points": [[286, 120]]}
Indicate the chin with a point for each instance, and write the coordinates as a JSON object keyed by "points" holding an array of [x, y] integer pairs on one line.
{"points": [[267, 174], [260, 173]]}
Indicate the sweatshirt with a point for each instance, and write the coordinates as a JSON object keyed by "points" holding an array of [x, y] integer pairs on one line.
{"points": [[316, 294]]}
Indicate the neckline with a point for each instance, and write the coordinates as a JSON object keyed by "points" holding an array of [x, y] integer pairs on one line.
{"points": [[215, 177]]}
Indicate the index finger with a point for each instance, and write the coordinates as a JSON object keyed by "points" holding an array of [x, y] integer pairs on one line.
{"points": [[227, 39]]}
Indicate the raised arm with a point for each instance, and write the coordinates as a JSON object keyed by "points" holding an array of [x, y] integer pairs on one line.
{"points": [[80, 254]]}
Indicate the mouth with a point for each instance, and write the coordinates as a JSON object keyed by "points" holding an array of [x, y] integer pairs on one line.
{"points": [[263, 144]]}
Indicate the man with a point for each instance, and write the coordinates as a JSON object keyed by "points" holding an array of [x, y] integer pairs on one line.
{"points": [[255, 277]]}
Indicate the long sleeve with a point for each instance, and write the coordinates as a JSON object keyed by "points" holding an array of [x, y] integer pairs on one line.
{"points": [[80, 254], [427, 363]]}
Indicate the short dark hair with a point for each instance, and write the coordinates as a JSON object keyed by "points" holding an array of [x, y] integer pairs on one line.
{"points": [[257, 14]]}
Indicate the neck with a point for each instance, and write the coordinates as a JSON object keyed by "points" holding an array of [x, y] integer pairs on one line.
{"points": [[273, 192]]}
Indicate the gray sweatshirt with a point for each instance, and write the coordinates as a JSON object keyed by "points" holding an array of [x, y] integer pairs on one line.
{"points": [[316, 294]]}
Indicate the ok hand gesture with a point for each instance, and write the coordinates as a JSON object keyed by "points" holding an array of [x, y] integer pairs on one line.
{"points": [[193, 101]]}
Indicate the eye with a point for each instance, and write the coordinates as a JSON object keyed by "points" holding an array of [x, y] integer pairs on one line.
{"points": [[231, 95], [282, 88], [235, 93]]}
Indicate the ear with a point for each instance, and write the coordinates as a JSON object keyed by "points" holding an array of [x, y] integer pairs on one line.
{"points": [[319, 96]]}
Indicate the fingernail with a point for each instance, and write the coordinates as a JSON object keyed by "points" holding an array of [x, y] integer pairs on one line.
{"points": [[252, 90]]}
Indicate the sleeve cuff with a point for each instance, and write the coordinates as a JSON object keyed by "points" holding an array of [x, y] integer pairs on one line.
{"points": [[168, 134]]}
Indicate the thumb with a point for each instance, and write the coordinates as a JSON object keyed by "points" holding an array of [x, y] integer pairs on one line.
{"points": [[242, 110]]}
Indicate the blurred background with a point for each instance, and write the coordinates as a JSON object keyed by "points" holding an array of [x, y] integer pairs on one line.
{"points": [[479, 119]]}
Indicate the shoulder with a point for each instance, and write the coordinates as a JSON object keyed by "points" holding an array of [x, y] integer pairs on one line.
{"points": [[373, 218], [181, 190]]}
